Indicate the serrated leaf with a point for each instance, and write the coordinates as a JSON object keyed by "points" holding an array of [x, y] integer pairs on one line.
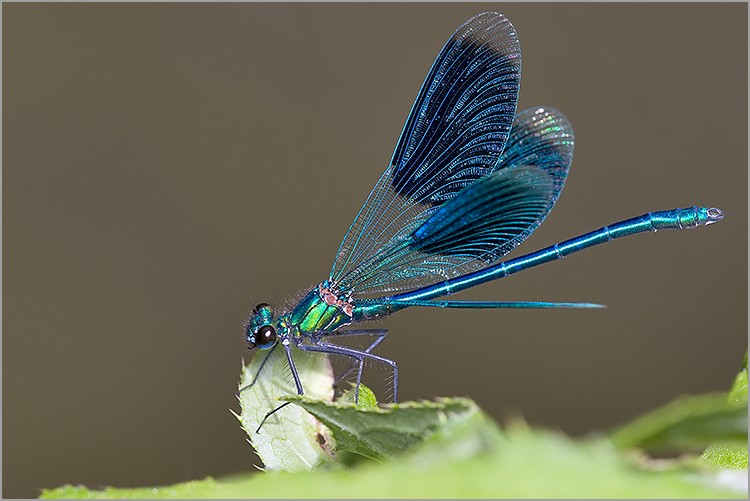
{"points": [[687, 424], [384, 432], [291, 439], [459, 439], [194, 489]]}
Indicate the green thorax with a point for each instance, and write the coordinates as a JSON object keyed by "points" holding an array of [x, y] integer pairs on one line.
{"points": [[321, 310]]}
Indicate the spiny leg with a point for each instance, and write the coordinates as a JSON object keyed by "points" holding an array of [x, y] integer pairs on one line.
{"points": [[357, 363], [380, 333], [255, 379], [269, 414], [367, 354], [293, 367], [322, 347], [297, 382]]}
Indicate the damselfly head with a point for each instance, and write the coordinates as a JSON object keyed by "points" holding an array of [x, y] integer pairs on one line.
{"points": [[260, 331]]}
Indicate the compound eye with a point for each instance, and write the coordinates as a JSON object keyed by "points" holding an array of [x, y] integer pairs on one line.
{"points": [[263, 307], [266, 337]]}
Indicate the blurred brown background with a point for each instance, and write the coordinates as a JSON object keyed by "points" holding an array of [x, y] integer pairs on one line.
{"points": [[166, 166]]}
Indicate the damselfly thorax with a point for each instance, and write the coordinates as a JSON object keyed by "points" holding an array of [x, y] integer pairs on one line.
{"points": [[323, 309]]}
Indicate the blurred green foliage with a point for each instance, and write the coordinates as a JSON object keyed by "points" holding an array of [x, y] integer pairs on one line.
{"points": [[450, 449]]}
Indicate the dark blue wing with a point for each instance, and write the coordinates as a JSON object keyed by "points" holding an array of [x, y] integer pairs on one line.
{"points": [[461, 118], [467, 233], [454, 135], [489, 218], [485, 220]]}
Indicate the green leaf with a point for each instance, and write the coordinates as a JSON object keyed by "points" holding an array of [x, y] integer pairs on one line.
{"points": [[194, 489], [738, 393], [366, 397], [687, 424], [723, 455], [291, 439], [384, 432], [728, 455], [450, 448], [527, 463], [458, 439]]}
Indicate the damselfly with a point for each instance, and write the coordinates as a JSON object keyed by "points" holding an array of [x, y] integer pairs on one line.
{"points": [[469, 180]]}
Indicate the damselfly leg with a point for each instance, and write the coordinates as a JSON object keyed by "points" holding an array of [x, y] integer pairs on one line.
{"points": [[359, 356], [260, 369], [380, 336]]}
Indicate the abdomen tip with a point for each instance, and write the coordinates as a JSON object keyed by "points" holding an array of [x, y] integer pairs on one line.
{"points": [[713, 215]]}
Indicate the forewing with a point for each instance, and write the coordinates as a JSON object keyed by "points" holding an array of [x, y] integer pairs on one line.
{"points": [[454, 135]]}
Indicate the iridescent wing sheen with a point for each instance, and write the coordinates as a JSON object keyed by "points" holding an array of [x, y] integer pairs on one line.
{"points": [[487, 219], [454, 135], [541, 136], [469, 232]]}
